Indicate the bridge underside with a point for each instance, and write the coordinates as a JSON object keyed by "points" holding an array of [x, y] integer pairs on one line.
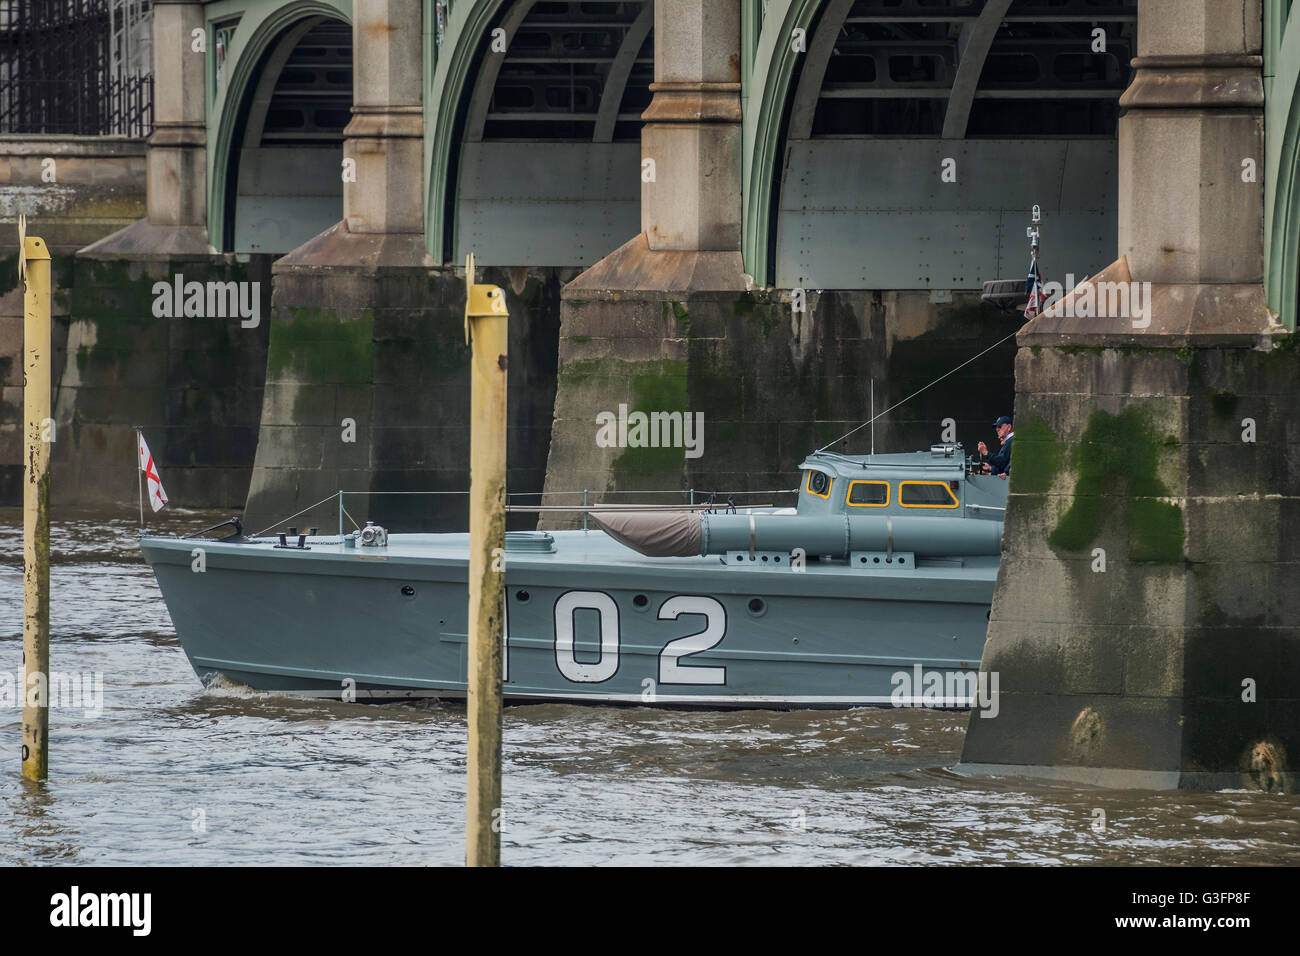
{"points": [[921, 134], [284, 185]]}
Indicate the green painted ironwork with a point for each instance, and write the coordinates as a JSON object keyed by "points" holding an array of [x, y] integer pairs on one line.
{"points": [[260, 25], [468, 31], [1282, 171], [767, 95], [782, 86]]}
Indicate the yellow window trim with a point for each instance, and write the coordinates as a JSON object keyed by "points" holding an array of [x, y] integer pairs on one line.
{"points": [[942, 484], [866, 504], [830, 483]]}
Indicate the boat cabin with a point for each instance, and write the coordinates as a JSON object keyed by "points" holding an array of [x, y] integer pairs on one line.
{"points": [[914, 483]]}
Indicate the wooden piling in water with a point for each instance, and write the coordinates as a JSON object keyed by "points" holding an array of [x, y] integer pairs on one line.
{"points": [[38, 430], [486, 328]]}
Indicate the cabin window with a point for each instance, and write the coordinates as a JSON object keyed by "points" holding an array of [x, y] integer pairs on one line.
{"points": [[926, 494], [868, 494], [819, 484]]}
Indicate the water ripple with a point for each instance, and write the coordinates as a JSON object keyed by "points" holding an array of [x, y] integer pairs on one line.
{"points": [[171, 773]]}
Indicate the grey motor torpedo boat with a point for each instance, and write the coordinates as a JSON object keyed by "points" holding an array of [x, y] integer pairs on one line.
{"points": [[885, 568]]}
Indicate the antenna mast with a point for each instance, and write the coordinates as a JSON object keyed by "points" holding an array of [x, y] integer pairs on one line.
{"points": [[1034, 281]]}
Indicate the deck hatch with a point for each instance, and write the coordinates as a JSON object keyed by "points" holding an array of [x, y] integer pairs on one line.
{"points": [[536, 542]]}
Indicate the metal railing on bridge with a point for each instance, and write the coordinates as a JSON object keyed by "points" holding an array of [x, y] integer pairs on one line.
{"points": [[76, 67]]}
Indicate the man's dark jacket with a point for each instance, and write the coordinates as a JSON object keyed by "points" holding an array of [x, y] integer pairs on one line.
{"points": [[1001, 462]]}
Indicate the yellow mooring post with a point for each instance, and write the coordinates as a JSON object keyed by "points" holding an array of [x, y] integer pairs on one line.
{"points": [[34, 271], [486, 328]]}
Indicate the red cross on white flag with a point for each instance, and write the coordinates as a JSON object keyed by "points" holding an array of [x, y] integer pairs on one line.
{"points": [[157, 497]]}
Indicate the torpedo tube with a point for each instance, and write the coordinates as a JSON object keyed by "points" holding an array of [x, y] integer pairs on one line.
{"points": [[679, 534]]}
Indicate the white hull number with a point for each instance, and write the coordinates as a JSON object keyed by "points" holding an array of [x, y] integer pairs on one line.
{"points": [[672, 669]]}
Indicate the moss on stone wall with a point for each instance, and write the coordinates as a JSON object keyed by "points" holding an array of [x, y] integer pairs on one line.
{"points": [[1156, 531], [583, 371], [719, 387], [657, 387], [1118, 457], [1286, 345], [767, 315], [1037, 453], [320, 348], [683, 318], [773, 386], [761, 310], [1125, 351], [118, 299]]}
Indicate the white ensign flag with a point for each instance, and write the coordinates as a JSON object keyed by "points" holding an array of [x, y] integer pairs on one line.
{"points": [[157, 497]]}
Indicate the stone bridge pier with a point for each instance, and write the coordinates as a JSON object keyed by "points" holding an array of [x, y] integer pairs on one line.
{"points": [[1145, 629], [367, 368], [355, 284], [626, 323], [193, 385]]}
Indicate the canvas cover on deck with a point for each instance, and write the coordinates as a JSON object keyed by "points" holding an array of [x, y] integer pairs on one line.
{"points": [[656, 534]]}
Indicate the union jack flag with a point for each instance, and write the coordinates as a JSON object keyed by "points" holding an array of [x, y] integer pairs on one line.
{"points": [[1034, 289], [157, 497]]}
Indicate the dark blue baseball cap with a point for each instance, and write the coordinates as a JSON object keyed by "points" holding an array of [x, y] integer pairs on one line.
{"points": [[1004, 420]]}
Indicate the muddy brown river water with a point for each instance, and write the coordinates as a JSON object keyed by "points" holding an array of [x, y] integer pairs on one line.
{"points": [[171, 773]]}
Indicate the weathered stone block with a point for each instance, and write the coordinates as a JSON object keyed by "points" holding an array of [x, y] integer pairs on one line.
{"points": [[1198, 594], [1232, 530], [193, 383], [390, 344], [773, 385], [1152, 659]]}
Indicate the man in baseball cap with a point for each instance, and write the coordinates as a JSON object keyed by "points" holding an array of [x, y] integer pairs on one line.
{"points": [[999, 464]]}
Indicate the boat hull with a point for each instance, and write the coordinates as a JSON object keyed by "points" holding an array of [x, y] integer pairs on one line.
{"points": [[591, 621]]}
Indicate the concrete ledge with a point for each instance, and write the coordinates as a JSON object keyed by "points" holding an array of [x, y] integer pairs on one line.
{"points": [[368, 252], [1091, 776], [146, 241], [1179, 316], [73, 190], [61, 145], [385, 122], [635, 268], [693, 103], [1196, 82], [1116, 779]]}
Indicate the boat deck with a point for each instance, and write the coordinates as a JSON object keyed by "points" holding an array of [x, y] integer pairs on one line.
{"points": [[576, 553]]}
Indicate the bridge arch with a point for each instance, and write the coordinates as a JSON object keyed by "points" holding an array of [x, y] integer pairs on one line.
{"points": [[533, 153], [778, 67], [248, 54], [978, 79]]}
